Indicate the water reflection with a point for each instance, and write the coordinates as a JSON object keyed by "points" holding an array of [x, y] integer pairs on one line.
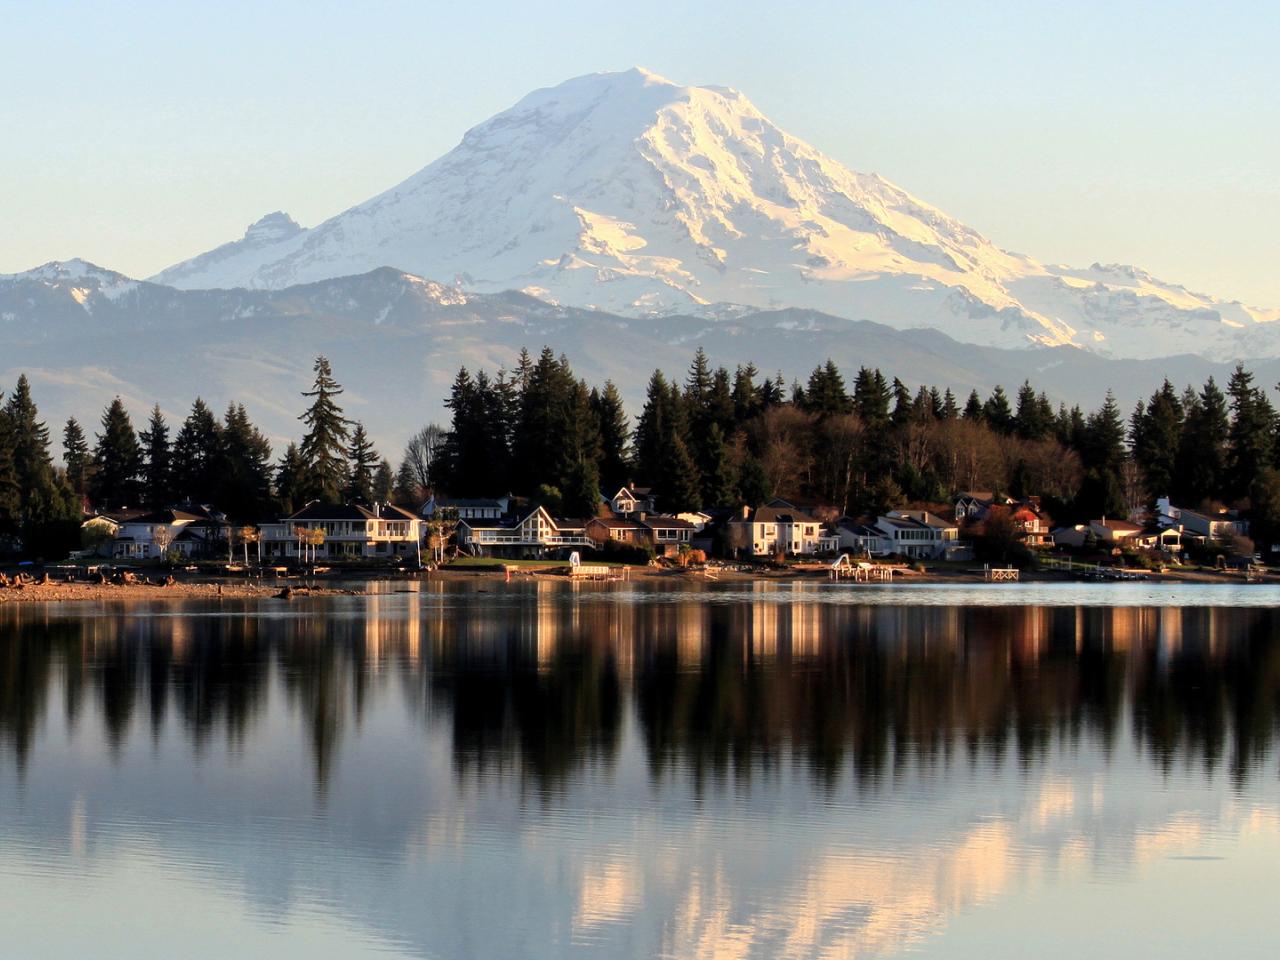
{"points": [[538, 684], [458, 773]]}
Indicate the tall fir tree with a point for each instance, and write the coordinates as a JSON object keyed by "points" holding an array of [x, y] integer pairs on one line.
{"points": [[363, 461], [290, 480], [76, 457], [384, 482], [1250, 438], [157, 471], [1201, 461], [324, 444], [615, 437], [117, 461], [244, 484], [198, 456]]}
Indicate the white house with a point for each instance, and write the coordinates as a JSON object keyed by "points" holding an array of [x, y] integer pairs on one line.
{"points": [[350, 531], [535, 533], [1217, 526], [778, 527], [191, 531], [862, 539], [919, 533]]}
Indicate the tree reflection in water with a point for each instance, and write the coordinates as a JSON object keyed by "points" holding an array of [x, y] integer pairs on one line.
{"points": [[722, 692]]}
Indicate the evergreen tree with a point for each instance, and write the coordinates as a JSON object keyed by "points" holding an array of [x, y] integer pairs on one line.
{"points": [[746, 396], [825, 394], [1155, 436], [407, 489], [9, 488], [384, 482], [197, 456], [1034, 417], [41, 498], [157, 470], [324, 445], [973, 407], [901, 404], [663, 456], [1201, 462], [291, 480], [243, 488], [117, 460], [871, 397], [719, 479], [364, 461], [1250, 437], [996, 412], [615, 435], [950, 411], [76, 457], [544, 422]]}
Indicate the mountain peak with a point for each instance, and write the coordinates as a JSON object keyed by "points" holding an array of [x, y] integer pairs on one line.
{"points": [[630, 193], [274, 226]]}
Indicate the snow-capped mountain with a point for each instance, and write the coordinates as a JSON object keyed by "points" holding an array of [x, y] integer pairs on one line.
{"points": [[630, 193]]}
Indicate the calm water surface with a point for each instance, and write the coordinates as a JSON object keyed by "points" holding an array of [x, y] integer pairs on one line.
{"points": [[631, 771]]}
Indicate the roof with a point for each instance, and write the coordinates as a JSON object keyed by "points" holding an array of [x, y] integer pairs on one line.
{"points": [[666, 523], [616, 523], [925, 518], [859, 528], [779, 514], [168, 516], [634, 491], [1121, 525], [467, 502], [984, 495], [320, 512]]}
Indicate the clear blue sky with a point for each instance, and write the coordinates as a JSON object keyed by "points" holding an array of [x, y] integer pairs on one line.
{"points": [[135, 135]]}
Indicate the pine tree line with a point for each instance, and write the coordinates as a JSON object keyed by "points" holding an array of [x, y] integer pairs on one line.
{"points": [[718, 438], [712, 439]]}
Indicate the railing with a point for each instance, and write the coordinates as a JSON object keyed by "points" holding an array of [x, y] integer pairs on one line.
{"points": [[485, 539]]}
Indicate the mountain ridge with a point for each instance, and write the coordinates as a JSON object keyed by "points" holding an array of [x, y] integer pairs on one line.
{"points": [[632, 194]]}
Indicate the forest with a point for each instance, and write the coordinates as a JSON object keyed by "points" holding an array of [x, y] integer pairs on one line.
{"points": [[704, 438]]}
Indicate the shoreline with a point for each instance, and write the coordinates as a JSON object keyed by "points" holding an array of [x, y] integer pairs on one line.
{"points": [[215, 588]]}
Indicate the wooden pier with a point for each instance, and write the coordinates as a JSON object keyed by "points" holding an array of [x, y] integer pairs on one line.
{"points": [[861, 571], [1000, 574]]}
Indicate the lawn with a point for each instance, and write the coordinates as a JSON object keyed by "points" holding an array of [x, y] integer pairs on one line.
{"points": [[493, 563]]}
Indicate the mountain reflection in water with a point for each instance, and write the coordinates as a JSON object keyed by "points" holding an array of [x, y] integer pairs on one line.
{"points": [[624, 777]]}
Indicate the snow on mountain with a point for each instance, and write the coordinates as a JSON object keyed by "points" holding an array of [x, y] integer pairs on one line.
{"points": [[627, 192]]}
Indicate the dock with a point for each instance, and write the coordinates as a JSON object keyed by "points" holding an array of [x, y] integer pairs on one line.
{"points": [[860, 571]]}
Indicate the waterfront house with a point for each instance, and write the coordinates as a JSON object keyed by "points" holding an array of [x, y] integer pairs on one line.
{"points": [[862, 538], [920, 534], [778, 527], [631, 499], [603, 530], [348, 531], [192, 531], [1218, 525], [666, 535], [532, 534]]}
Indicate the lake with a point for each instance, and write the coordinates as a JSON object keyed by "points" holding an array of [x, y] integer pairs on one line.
{"points": [[630, 770]]}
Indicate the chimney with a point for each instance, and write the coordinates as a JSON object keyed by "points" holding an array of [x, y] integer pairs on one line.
{"points": [[377, 509]]}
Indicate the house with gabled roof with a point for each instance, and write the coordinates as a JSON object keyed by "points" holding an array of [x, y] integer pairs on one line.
{"points": [[535, 533], [345, 532], [192, 530], [777, 527], [631, 499]]}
